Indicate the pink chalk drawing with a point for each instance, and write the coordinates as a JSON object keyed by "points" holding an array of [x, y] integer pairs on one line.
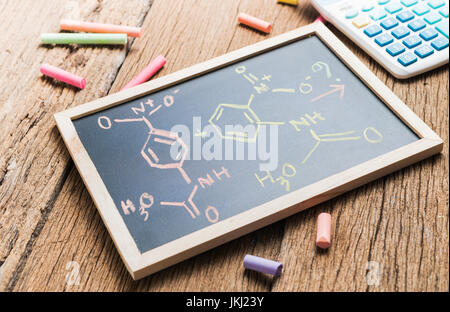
{"points": [[183, 204], [211, 213], [156, 138]]}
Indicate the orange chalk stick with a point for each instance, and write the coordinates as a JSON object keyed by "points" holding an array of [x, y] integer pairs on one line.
{"points": [[323, 239], [254, 22], [66, 24]]}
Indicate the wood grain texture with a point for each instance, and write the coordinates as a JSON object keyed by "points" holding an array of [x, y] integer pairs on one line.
{"points": [[47, 218], [33, 161]]}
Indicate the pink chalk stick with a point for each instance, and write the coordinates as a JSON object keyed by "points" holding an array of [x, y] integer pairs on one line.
{"points": [[320, 19], [254, 22], [66, 24], [63, 75], [147, 73], [323, 239]]}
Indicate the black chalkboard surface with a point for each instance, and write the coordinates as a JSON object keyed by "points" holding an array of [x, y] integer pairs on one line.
{"points": [[196, 158], [326, 121]]}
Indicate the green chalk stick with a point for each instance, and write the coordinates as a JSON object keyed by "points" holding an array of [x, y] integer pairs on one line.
{"points": [[68, 38]]}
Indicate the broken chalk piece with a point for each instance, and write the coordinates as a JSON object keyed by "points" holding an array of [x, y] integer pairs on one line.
{"points": [[323, 239], [69, 38], [73, 25], [147, 73], [320, 19], [292, 2], [62, 75], [254, 22], [262, 265]]}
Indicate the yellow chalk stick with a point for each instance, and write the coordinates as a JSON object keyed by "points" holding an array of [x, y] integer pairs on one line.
{"points": [[292, 2]]}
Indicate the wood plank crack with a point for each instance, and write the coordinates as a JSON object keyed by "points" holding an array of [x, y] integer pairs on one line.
{"points": [[38, 228]]}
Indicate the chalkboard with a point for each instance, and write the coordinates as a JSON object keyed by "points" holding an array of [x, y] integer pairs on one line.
{"points": [[212, 147]]}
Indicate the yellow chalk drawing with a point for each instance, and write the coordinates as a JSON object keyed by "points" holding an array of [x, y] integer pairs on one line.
{"points": [[331, 137], [261, 180], [373, 141], [247, 112], [287, 171], [305, 88], [304, 120], [249, 118], [240, 69], [284, 90], [261, 88], [286, 167], [279, 123], [200, 133], [318, 66], [253, 79]]}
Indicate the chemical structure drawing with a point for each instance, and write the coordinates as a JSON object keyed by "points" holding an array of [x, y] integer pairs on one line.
{"points": [[240, 132], [157, 138], [343, 136], [157, 152]]}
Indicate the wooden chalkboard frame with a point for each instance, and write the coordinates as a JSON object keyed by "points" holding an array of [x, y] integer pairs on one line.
{"points": [[140, 265]]}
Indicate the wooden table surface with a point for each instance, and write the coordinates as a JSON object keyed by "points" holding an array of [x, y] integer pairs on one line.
{"points": [[390, 235]]}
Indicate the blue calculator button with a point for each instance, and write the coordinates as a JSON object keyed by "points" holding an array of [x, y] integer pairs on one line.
{"points": [[383, 1], [408, 3], [412, 42], [444, 12], [395, 49], [428, 34], [432, 18], [436, 3], [352, 13], [442, 27], [421, 9], [424, 51], [378, 14], [440, 43], [393, 7], [373, 30], [384, 40], [389, 23], [367, 7], [407, 59], [400, 32], [405, 16], [417, 25]]}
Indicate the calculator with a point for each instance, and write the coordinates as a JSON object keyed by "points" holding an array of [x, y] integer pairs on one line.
{"points": [[406, 37]]}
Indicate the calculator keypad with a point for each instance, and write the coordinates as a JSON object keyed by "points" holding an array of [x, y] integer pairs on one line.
{"points": [[409, 30], [417, 25]]}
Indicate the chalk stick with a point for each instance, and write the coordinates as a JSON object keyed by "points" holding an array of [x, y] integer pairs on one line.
{"points": [[254, 22], [147, 73], [63, 38], [320, 19], [63, 75], [73, 25], [323, 238], [291, 2], [262, 265]]}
